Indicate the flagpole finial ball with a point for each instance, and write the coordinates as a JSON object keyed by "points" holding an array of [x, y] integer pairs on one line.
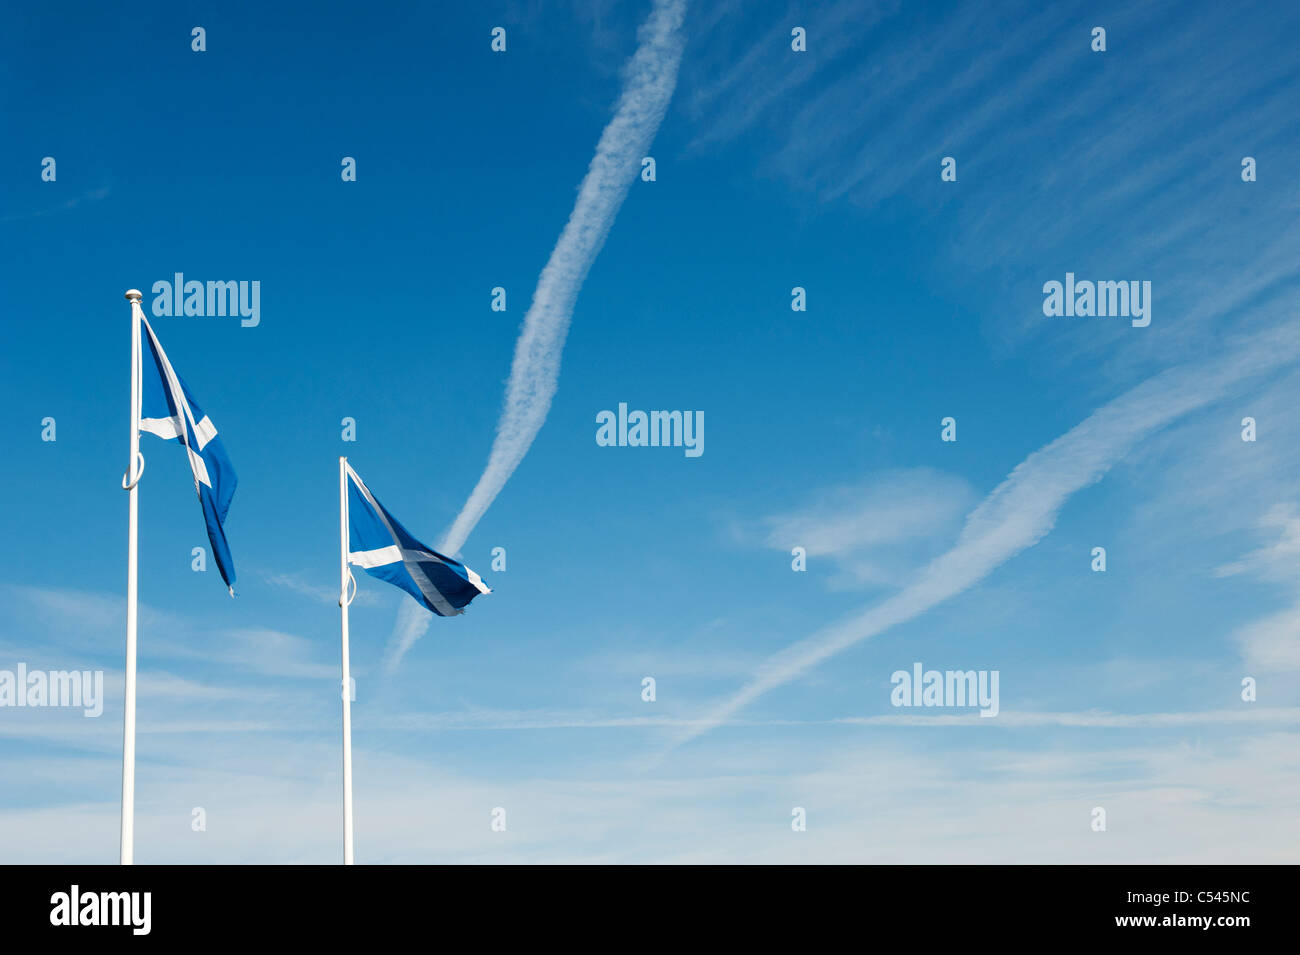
{"points": [[133, 295]]}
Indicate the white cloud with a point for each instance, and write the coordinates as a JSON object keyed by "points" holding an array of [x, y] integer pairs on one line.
{"points": [[1273, 642], [1221, 799], [1279, 560], [877, 531], [81, 619], [1023, 508]]}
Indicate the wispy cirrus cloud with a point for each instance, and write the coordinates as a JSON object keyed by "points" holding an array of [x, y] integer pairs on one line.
{"points": [[978, 803], [1278, 560], [300, 584], [1271, 643], [1023, 508], [1142, 178], [876, 532], [94, 624], [1088, 719]]}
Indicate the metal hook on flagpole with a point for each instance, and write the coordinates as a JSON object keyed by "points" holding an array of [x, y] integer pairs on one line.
{"points": [[345, 600], [139, 457]]}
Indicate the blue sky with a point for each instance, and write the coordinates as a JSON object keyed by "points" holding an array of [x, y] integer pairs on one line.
{"points": [[775, 169]]}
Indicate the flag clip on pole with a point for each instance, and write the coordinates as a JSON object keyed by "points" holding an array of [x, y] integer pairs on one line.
{"points": [[130, 483], [344, 600]]}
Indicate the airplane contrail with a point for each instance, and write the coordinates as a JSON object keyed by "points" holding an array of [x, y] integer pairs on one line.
{"points": [[649, 81], [1023, 509]]}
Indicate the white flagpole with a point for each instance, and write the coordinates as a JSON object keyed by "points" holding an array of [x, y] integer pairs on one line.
{"points": [[131, 482], [344, 576]]}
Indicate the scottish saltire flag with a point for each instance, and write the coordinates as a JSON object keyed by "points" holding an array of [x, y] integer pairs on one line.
{"points": [[383, 548], [168, 410]]}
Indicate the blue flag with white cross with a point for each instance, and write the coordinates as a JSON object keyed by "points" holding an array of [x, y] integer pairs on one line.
{"points": [[168, 410], [383, 548]]}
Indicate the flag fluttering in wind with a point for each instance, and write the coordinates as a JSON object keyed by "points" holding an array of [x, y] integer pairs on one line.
{"points": [[161, 405], [383, 548], [372, 539], [168, 410]]}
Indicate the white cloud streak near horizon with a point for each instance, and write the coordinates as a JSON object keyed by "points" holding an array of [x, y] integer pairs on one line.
{"points": [[649, 80], [1023, 508]]}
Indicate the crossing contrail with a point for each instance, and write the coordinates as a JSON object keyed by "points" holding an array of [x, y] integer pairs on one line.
{"points": [[648, 84], [1021, 510]]}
